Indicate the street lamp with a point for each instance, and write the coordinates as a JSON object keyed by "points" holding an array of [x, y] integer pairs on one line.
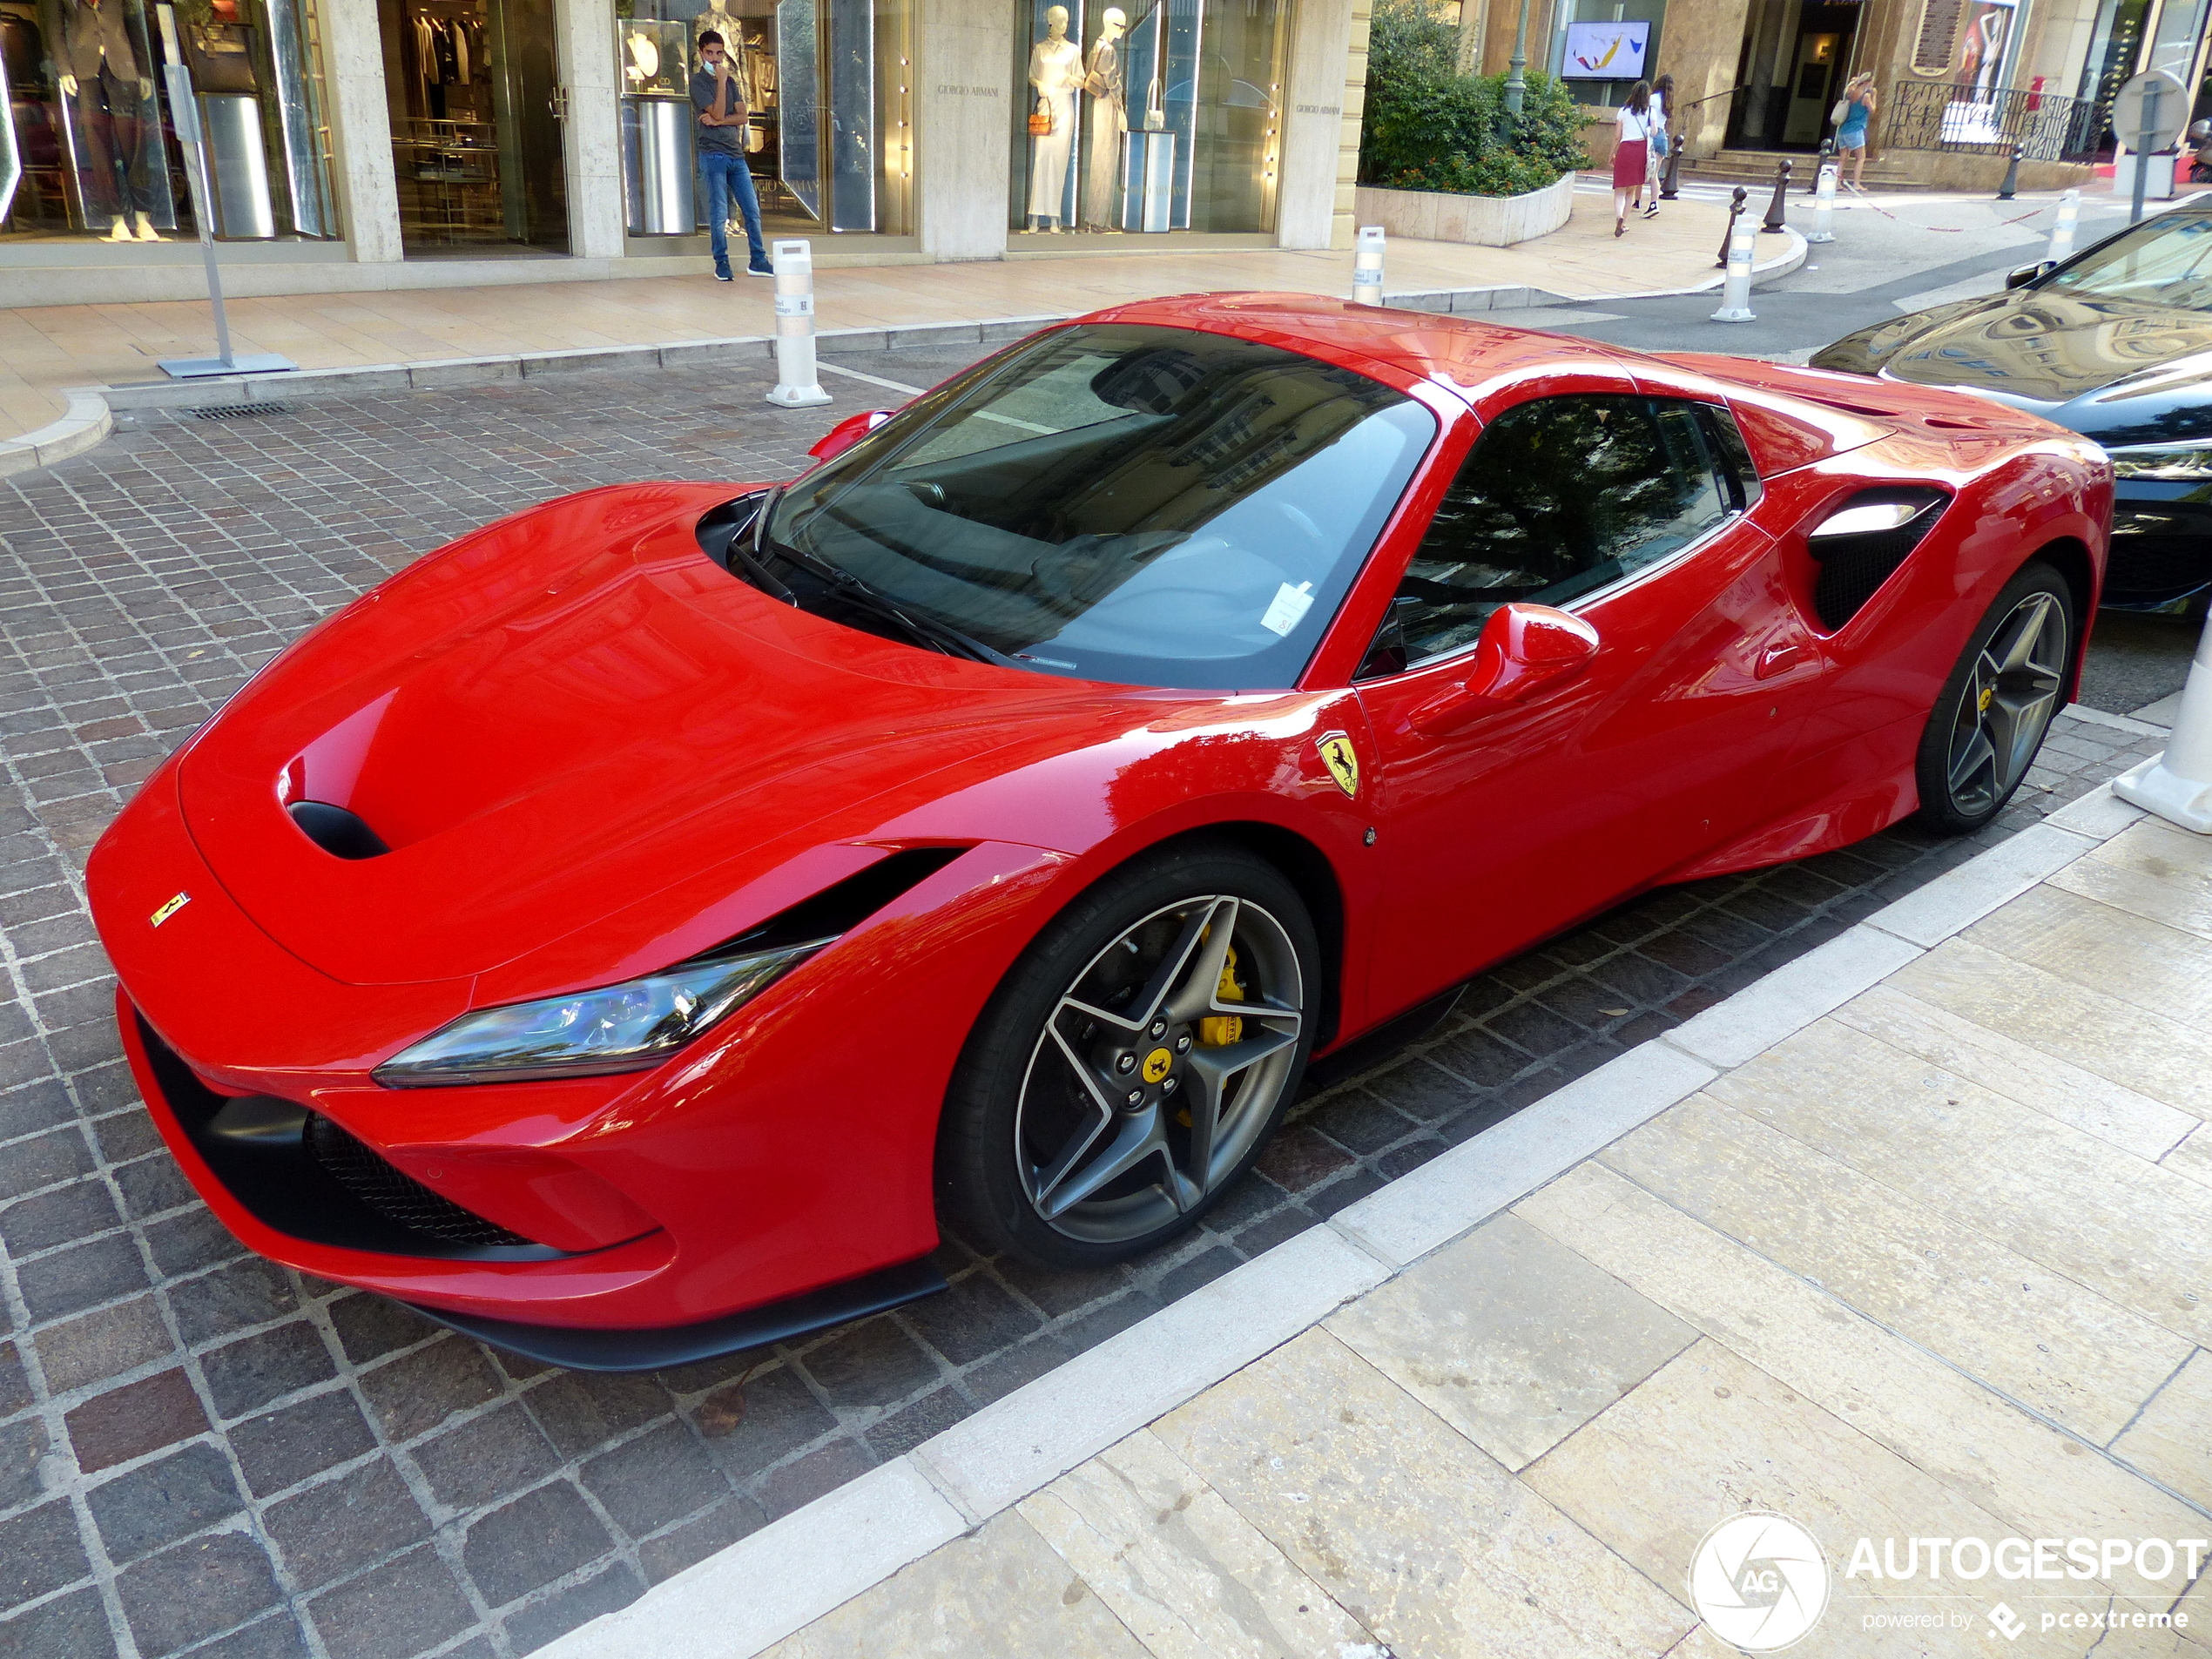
{"points": [[1516, 84]]}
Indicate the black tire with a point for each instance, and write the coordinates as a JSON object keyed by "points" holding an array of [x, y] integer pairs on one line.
{"points": [[1992, 714], [1054, 1059]]}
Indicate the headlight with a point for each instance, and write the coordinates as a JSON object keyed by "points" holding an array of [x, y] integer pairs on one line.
{"points": [[622, 1027], [2186, 463]]}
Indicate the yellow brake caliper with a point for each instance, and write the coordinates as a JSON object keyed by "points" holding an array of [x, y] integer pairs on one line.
{"points": [[1218, 1031], [1224, 1028]]}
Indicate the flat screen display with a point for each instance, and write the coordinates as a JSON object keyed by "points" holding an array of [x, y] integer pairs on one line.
{"points": [[1606, 51]]}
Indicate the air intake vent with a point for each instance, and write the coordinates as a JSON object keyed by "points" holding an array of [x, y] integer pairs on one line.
{"points": [[1860, 543], [337, 831], [397, 1197]]}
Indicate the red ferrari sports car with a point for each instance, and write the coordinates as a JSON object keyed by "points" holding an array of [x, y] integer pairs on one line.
{"points": [[624, 933]]}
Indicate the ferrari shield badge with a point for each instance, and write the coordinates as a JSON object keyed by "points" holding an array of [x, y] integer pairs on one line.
{"points": [[170, 907], [1342, 760]]}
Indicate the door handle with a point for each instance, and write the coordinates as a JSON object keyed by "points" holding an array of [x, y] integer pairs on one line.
{"points": [[1779, 659], [559, 103]]}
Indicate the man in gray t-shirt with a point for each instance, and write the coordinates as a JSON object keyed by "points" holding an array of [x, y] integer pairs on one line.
{"points": [[717, 97]]}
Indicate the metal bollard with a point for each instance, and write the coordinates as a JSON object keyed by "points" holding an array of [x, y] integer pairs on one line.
{"points": [[1823, 204], [2005, 191], [1827, 155], [2177, 785], [1670, 182], [1728, 236], [1774, 220], [1736, 297], [797, 385], [2063, 232], [1368, 266]]}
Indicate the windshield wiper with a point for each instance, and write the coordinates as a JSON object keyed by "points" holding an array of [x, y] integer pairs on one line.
{"points": [[941, 635], [760, 575]]}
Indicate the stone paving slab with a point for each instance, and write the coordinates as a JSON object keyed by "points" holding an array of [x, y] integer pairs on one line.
{"points": [[202, 1453], [1750, 1302]]}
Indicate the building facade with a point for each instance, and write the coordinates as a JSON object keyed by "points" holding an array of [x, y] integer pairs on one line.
{"points": [[360, 145], [1765, 75]]}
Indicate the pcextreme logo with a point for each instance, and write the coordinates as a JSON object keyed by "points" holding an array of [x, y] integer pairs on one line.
{"points": [[1759, 1581]]}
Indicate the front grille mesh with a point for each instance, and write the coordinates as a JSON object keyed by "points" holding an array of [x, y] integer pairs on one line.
{"points": [[2157, 566], [399, 1197]]}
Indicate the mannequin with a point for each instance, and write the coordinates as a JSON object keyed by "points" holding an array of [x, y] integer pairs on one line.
{"points": [[1109, 121], [102, 74], [1055, 75]]}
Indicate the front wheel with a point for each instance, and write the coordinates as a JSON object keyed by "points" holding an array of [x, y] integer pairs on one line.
{"points": [[1997, 707], [1134, 1061]]}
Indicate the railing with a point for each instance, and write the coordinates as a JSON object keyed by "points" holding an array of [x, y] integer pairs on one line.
{"points": [[1938, 115]]}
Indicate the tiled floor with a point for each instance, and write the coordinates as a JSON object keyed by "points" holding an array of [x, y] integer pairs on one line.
{"points": [[201, 1452], [46, 347], [1887, 1279]]}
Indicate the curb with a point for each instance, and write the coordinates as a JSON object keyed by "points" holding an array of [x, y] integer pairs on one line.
{"points": [[91, 408], [88, 422], [753, 1593]]}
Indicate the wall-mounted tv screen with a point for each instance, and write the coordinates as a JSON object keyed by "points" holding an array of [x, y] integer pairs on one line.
{"points": [[1606, 51]]}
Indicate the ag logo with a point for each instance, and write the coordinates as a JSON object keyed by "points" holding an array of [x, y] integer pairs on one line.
{"points": [[1759, 1581], [1342, 760]]}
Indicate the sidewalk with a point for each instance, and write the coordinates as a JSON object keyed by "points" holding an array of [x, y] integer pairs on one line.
{"points": [[1908, 1240], [45, 349]]}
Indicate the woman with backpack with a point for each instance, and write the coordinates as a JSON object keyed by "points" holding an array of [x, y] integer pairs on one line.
{"points": [[1662, 142], [1631, 152]]}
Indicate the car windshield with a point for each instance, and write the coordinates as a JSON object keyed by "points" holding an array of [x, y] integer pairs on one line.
{"points": [[1151, 506], [2165, 262]]}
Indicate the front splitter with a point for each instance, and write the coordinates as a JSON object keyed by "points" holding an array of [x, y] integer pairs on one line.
{"points": [[581, 1349]]}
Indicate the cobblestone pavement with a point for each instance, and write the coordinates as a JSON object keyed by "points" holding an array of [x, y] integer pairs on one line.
{"points": [[202, 1452]]}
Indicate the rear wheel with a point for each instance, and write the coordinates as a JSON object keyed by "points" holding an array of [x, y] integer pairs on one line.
{"points": [[1134, 1061], [1997, 707]]}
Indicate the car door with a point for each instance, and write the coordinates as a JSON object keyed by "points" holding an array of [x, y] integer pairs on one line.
{"points": [[1627, 511]]}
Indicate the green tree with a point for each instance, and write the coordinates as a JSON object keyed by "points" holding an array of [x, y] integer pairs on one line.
{"points": [[1428, 127]]}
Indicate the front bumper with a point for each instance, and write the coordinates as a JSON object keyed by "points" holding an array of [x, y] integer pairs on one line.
{"points": [[2162, 544]]}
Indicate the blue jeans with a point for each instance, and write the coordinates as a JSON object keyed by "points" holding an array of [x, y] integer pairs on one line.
{"points": [[726, 175]]}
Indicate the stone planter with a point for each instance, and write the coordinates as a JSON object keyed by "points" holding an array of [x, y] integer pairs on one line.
{"points": [[1485, 221]]}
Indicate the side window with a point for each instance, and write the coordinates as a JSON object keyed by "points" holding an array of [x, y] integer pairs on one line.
{"points": [[1559, 497]]}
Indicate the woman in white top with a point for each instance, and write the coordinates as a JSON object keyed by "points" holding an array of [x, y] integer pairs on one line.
{"points": [[1631, 152]]}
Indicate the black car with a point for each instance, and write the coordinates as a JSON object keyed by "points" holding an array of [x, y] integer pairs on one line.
{"points": [[2116, 343]]}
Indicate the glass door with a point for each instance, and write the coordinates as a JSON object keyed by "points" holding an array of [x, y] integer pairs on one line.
{"points": [[476, 126]]}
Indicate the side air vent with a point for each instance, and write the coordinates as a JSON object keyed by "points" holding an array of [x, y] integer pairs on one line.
{"points": [[852, 901], [337, 831], [1862, 541]]}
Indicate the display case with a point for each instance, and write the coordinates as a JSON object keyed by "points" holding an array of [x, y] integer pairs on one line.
{"points": [[656, 57]]}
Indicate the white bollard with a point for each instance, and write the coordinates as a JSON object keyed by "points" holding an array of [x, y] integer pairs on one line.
{"points": [[1823, 204], [2063, 232], [1736, 296], [1368, 266], [797, 384], [2177, 785]]}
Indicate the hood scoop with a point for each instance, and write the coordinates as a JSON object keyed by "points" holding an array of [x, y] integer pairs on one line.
{"points": [[337, 831]]}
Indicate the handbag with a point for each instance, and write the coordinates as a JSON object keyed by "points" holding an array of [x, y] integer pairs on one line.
{"points": [[1836, 116], [1040, 120], [1156, 115]]}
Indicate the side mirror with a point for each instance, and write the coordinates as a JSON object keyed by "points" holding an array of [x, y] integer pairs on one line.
{"points": [[1523, 647], [2027, 273], [847, 433]]}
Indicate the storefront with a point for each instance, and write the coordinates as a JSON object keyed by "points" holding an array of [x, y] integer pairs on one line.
{"points": [[1148, 117], [387, 143], [89, 150]]}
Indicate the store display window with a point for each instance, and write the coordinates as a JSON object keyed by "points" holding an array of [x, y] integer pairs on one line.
{"points": [[89, 148], [828, 134], [476, 110], [1148, 117]]}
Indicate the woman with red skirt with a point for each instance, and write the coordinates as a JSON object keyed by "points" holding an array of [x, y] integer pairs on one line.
{"points": [[1631, 152]]}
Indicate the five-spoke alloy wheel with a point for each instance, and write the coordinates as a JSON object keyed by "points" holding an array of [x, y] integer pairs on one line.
{"points": [[1134, 1061], [1999, 703]]}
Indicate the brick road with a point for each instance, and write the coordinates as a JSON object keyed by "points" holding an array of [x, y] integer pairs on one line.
{"points": [[201, 1452]]}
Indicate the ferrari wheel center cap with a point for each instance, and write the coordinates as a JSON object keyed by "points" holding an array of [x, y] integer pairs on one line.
{"points": [[1157, 1065]]}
